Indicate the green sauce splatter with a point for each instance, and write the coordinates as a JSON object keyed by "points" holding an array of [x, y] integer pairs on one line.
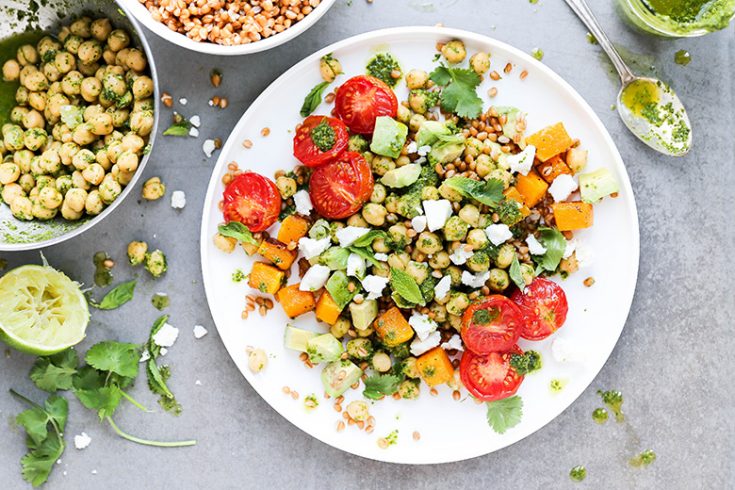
{"points": [[556, 385], [103, 269], [599, 415], [538, 53], [591, 38], [382, 66], [614, 401], [578, 473], [682, 57], [643, 459], [238, 275], [708, 13], [160, 301]]}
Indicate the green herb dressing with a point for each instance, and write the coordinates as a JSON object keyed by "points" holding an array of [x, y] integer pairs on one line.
{"points": [[600, 415], [160, 301], [8, 49], [682, 57], [708, 14], [102, 273], [578, 473], [382, 66], [614, 401], [643, 459]]}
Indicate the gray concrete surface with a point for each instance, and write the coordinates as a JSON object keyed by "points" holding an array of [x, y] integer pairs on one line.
{"points": [[673, 362]]}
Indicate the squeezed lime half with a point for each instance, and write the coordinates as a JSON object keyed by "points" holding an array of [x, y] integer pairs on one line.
{"points": [[42, 311]]}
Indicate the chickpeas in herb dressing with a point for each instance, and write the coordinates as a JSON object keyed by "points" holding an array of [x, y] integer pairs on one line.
{"points": [[82, 121]]}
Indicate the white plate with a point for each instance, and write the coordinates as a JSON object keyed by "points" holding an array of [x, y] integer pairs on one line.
{"points": [[450, 430]]}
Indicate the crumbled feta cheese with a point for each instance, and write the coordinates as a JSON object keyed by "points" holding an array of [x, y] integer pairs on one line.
{"points": [[454, 343], [442, 287], [475, 280], [437, 213], [418, 224], [355, 265], [208, 147], [315, 278], [381, 257], [424, 150], [94, 472], [412, 148], [460, 255], [198, 383], [419, 346], [422, 325], [564, 350], [569, 249], [349, 234], [199, 331], [163, 351], [144, 356], [302, 201], [82, 440], [178, 199], [193, 132], [562, 187], [522, 162], [374, 286], [534, 246], [498, 233], [310, 247], [195, 121], [166, 336], [183, 101]]}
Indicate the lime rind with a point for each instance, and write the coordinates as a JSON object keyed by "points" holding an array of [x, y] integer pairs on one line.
{"points": [[42, 311]]}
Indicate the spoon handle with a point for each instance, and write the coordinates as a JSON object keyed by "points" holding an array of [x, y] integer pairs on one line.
{"points": [[584, 13]]}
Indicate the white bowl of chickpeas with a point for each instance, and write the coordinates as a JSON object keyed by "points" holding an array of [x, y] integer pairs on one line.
{"points": [[228, 27], [80, 124]]}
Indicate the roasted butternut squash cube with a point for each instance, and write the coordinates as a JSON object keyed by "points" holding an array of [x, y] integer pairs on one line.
{"points": [[294, 301], [392, 327], [512, 193], [435, 367], [531, 187], [552, 168], [572, 215], [327, 309], [550, 141], [293, 228], [278, 253], [266, 278]]}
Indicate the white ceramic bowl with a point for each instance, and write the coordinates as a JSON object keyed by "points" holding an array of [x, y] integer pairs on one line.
{"points": [[144, 17]]}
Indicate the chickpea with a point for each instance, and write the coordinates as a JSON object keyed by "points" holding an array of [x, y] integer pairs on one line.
{"points": [[50, 161], [484, 165], [100, 29], [83, 135], [286, 186], [506, 254], [21, 95], [101, 124], [374, 214], [357, 220], [418, 270], [478, 262], [115, 84], [54, 105], [91, 111], [50, 198], [380, 246], [65, 62], [37, 100], [499, 280], [480, 62], [89, 51], [439, 311], [63, 184], [458, 302], [502, 175], [409, 390], [13, 137], [142, 88], [114, 149], [67, 152], [381, 165], [127, 161], [141, 122], [359, 410], [82, 159], [11, 70], [416, 121], [224, 243], [46, 45], [17, 113], [257, 360], [391, 203], [398, 260], [340, 327], [81, 27], [9, 173], [454, 51], [94, 174], [23, 158], [329, 68], [11, 192], [117, 40], [470, 214], [87, 70], [132, 142], [449, 193], [397, 234], [404, 114], [22, 208], [416, 79], [25, 72], [124, 178], [429, 193], [381, 362], [78, 181], [477, 239], [419, 101], [473, 147], [455, 229], [379, 194], [51, 73], [27, 55], [94, 205], [143, 105], [153, 189], [428, 243], [27, 182], [71, 84], [90, 89], [155, 263], [35, 138], [119, 116], [109, 189], [455, 273], [69, 214], [36, 168], [39, 211], [136, 60], [101, 157], [33, 119], [440, 260], [528, 273]]}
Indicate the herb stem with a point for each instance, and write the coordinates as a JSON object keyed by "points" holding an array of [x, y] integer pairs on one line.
{"points": [[134, 402], [27, 400], [146, 442]]}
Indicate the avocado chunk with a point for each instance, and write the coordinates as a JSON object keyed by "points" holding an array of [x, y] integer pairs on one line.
{"points": [[338, 376], [324, 348], [389, 136], [593, 186], [402, 176], [429, 132], [296, 338], [512, 114], [364, 313], [446, 152]]}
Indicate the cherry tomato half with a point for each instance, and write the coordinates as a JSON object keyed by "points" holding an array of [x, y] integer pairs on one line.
{"points": [[361, 99], [319, 139], [340, 188], [253, 200], [544, 307], [491, 325], [490, 377]]}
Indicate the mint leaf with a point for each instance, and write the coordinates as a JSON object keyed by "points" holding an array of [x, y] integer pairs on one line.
{"points": [[55, 372], [116, 357], [406, 286], [313, 99], [555, 244], [367, 239], [337, 286], [488, 192], [380, 385], [504, 414], [516, 275], [117, 296], [459, 94], [157, 377], [238, 231], [365, 253]]}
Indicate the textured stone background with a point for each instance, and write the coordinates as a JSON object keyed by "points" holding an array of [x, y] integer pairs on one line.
{"points": [[673, 362]]}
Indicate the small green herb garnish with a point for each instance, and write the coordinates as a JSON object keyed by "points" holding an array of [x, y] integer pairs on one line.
{"points": [[323, 136], [614, 401], [485, 317], [313, 99], [643, 459], [158, 375], [118, 296], [578, 473], [380, 385], [504, 414], [516, 275], [382, 66], [459, 94], [599, 415], [526, 363], [555, 244], [406, 287], [180, 127], [238, 231], [488, 192]]}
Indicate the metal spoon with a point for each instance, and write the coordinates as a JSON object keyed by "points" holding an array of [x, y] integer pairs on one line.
{"points": [[649, 107]]}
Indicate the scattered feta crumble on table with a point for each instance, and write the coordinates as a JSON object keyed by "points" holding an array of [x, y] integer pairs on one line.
{"points": [[178, 199], [193, 132], [195, 121], [82, 440], [208, 147], [183, 101], [166, 336], [199, 331]]}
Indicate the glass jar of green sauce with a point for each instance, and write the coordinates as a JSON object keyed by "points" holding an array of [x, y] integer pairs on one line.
{"points": [[679, 18]]}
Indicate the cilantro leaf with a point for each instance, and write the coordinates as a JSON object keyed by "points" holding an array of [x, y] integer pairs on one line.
{"points": [[55, 372], [504, 414], [555, 244], [313, 99], [459, 94], [488, 192], [157, 377], [406, 286], [380, 385], [105, 399], [116, 357], [180, 127], [35, 422], [516, 275], [38, 463], [57, 409], [117, 296], [238, 231]]}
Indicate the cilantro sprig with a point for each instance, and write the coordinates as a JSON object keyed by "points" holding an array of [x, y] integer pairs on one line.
{"points": [[459, 93], [158, 375], [504, 414], [380, 385]]}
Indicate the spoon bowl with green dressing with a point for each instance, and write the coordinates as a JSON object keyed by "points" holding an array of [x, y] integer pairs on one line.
{"points": [[648, 107]]}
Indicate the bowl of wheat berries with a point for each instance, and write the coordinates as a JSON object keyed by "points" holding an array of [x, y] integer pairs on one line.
{"points": [[228, 27]]}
